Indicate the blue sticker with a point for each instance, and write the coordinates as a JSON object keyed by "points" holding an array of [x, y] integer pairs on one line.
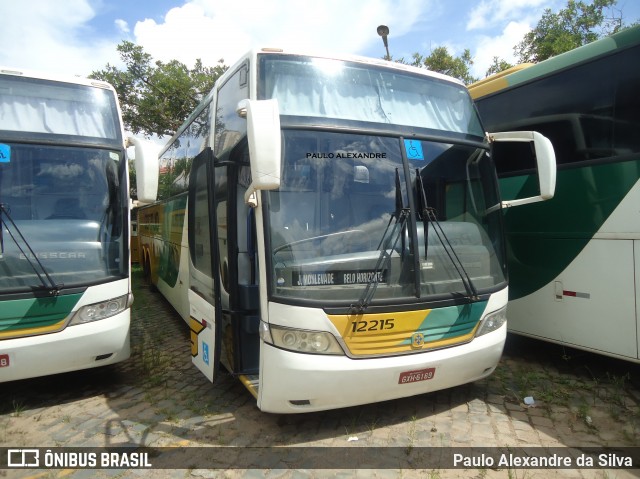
{"points": [[205, 353], [414, 149], [5, 153]]}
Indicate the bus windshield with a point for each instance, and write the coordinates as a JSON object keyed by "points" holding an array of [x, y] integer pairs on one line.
{"points": [[62, 212], [323, 88], [341, 222], [55, 108]]}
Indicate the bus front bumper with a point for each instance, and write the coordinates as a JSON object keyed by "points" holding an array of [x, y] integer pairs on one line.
{"points": [[82, 346], [296, 383]]}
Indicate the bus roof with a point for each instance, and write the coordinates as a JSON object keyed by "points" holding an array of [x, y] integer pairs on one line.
{"points": [[40, 75], [528, 71]]}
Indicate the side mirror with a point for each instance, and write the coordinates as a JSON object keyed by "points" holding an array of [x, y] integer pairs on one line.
{"points": [[545, 162], [147, 169], [265, 146]]}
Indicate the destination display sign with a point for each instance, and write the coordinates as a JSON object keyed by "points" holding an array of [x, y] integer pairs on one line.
{"points": [[337, 278]]}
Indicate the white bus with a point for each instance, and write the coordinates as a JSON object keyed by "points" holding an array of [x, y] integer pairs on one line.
{"points": [[339, 238], [65, 287], [574, 262]]}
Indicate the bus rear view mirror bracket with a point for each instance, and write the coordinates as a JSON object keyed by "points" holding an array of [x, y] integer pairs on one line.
{"points": [[263, 135], [147, 170], [545, 162]]}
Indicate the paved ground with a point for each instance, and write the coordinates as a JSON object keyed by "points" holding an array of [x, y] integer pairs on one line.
{"points": [[158, 399]]}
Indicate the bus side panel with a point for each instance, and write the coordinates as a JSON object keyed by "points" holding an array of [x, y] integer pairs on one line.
{"points": [[149, 239], [173, 274], [164, 250], [636, 252], [593, 297]]}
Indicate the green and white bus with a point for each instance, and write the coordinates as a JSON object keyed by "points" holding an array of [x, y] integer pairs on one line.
{"points": [[65, 288], [332, 231], [574, 261]]}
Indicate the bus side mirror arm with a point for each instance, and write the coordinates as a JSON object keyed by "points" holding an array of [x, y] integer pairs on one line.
{"points": [[265, 145], [545, 160]]}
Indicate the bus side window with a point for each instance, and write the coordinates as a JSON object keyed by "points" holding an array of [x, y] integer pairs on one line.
{"points": [[200, 248]]}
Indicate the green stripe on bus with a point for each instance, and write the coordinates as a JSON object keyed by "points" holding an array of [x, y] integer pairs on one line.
{"points": [[575, 56], [544, 238], [451, 322], [20, 314]]}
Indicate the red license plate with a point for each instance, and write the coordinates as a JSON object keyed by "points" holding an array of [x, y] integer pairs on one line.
{"points": [[4, 361], [415, 376]]}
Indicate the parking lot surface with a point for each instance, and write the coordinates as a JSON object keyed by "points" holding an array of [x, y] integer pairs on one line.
{"points": [[541, 395]]}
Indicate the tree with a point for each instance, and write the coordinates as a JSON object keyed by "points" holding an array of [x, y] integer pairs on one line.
{"points": [[157, 97], [497, 66], [441, 61], [577, 24]]}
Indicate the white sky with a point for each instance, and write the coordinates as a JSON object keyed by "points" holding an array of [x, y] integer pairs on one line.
{"points": [[79, 36]]}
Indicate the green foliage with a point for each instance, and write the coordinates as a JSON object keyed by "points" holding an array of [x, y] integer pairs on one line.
{"points": [[441, 61], [497, 66], [577, 24], [157, 97]]}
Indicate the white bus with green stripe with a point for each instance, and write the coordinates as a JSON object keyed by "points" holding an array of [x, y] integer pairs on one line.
{"points": [[340, 241], [574, 261], [65, 288]]}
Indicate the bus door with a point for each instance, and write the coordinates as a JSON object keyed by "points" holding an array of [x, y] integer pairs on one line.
{"points": [[205, 310], [242, 308]]}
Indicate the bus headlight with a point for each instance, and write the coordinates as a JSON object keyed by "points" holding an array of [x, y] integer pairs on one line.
{"points": [[300, 340], [102, 310], [492, 321]]}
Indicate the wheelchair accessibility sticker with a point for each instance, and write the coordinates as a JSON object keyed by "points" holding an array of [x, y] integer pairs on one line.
{"points": [[414, 149], [5, 153]]}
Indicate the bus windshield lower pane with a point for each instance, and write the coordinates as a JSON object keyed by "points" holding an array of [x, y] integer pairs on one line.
{"points": [[341, 222], [64, 208]]}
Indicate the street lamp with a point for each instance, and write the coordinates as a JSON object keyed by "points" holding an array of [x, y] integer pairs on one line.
{"points": [[383, 31]]}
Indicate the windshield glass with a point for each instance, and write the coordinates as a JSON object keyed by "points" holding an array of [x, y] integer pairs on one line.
{"points": [[327, 88], [340, 221], [67, 204], [57, 108]]}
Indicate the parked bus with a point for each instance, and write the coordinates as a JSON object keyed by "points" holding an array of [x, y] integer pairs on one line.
{"points": [[65, 287], [332, 231], [574, 261]]}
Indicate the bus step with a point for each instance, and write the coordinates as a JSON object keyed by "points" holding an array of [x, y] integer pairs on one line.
{"points": [[251, 382]]}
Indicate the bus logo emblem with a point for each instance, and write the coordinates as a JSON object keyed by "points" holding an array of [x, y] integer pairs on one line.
{"points": [[417, 340]]}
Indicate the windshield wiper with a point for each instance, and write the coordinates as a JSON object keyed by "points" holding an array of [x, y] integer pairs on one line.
{"points": [[384, 258], [429, 215], [47, 281]]}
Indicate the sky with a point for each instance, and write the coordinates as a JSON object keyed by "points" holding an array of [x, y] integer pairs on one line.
{"points": [[80, 36]]}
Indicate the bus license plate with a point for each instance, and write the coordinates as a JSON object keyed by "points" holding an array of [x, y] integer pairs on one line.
{"points": [[4, 361], [415, 376]]}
